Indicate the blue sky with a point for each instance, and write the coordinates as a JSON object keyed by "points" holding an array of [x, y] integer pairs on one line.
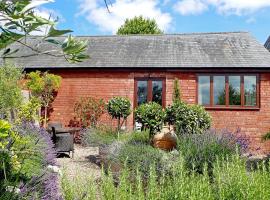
{"points": [[90, 17]]}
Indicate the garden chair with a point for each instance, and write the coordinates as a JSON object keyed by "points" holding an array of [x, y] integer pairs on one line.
{"points": [[63, 141]]}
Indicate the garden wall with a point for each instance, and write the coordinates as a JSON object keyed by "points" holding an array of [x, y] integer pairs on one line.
{"points": [[106, 84]]}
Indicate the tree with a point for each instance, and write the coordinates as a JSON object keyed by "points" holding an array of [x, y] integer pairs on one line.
{"points": [[176, 90], [19, 19], [119, 107], [10, 91], [139, 25], [43, 86]]}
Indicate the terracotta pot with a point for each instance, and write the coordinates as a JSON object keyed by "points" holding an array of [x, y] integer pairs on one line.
{"points": [[165, 140]]}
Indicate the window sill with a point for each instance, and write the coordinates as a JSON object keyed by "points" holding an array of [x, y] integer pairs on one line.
{"points": [[232, 108]]}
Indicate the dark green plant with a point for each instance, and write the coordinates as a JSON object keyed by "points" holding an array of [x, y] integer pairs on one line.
{"points": [[190, 119], [119, 108], [43, 86], [151, 115], [176, 90], [89, 110], [139, 137], [266, 136], [19, 19], [139, 25], [234, 96]]}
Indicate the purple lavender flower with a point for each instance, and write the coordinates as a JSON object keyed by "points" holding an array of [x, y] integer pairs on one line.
{"points": [[46, 185]]}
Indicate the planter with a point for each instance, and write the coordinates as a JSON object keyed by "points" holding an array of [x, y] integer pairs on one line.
{"points": [[165, 140]]}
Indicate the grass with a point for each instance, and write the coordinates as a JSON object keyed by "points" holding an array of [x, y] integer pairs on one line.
{"points": [[230, 180]]}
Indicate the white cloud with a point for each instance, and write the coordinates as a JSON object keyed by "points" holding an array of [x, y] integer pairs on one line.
{"points": [[47, 14], [226, 7], [187, 7], [251, 20], [96, 13]]}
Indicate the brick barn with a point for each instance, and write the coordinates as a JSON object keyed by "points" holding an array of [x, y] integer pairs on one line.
{"points": [[228, 73]]}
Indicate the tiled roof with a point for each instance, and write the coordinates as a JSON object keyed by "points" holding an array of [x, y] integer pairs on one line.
{"points": [[198, 50], [267, 44]]}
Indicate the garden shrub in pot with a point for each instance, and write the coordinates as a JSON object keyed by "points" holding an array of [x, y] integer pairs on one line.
{"points": [[190, 119], [151, 116]]}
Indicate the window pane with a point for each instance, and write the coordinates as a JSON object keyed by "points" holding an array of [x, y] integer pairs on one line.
{"points": [[204, 90], [142, 92], [234, 90], [219, 90], [250, 90], [157, 92]]}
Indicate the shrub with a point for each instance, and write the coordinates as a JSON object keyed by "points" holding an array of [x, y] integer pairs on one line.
{"points": [[202, 149], [10, 90], [151, 116], [229, 181], [139, 156], [139, 137], [89, 110], [190, 119], [28, 112], [28, 152], [119, 107], [97, 136], [43, 86]]}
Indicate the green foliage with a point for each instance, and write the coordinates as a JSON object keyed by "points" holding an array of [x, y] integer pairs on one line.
{"points": [[10, 91], [151, 116], [230, 180], [139, 137], [42, 87], [234, 96], [19, 20], [28, 112], [138, 157], [139, 25], [176, 90], [190, 119], [98, 136], [103, 135], [82, 187], [89, 110], [200, 150], [119, 107], [266, 136], [22, 157], [9, 163]]}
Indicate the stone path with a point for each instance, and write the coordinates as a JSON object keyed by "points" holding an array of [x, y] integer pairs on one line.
{"points": [[82, 163]]}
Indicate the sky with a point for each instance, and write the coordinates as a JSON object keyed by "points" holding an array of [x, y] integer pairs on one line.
{"points": [[91, 17]]}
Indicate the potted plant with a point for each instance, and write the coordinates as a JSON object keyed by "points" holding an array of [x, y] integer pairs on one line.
{"points": [[152, 116]]}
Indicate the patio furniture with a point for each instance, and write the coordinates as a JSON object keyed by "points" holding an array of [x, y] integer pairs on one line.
{"points": [[62, 138]]}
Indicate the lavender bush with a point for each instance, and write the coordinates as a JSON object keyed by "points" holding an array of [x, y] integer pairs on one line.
{"points": [[201, 149], [35, 179]]}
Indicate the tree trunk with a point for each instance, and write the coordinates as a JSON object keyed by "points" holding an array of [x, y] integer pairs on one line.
{"points": [[45, 117]]}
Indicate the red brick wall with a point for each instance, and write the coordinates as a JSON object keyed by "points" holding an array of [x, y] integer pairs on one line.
{"points": [[102, 84]]}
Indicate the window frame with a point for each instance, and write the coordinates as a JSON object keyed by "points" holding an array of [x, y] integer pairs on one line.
{"points": [[149, 89], [227, 106]]}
